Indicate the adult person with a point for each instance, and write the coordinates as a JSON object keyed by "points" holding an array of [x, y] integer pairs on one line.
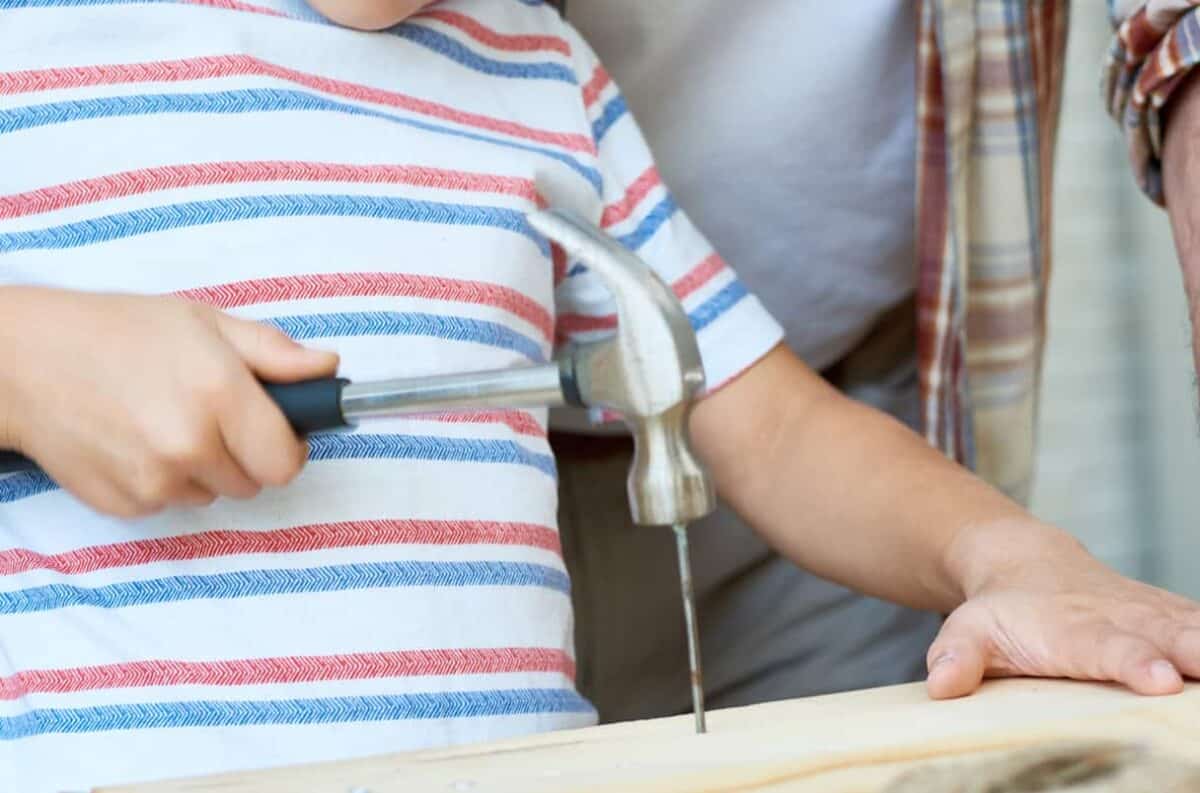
{"points": [[879, 173]]}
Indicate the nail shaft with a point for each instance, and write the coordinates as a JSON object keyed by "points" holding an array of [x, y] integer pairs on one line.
{"points": [[689, 617]]}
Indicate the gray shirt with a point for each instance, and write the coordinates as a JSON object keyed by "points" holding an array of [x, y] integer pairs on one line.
{"points": [[786, 130]]}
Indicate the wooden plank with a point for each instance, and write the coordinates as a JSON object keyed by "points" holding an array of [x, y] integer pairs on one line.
{"points": [[847, 743]]}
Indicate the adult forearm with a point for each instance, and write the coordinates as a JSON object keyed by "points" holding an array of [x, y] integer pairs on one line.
{"points": [[1181, 189], [854, 496]]}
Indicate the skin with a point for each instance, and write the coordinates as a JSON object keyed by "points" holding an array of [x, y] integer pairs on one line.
{"points": [[1181, 176], [841, 489], [832, 487], [368, 14], [165, 410]]}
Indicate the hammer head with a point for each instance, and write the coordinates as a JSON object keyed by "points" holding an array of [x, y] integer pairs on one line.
{"points": [[649, 371]]}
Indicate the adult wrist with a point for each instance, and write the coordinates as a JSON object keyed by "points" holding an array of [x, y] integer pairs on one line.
{"points": [[983, 554]]}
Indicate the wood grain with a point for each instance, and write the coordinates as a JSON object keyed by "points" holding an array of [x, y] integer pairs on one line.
{"points": [[860, 742]]}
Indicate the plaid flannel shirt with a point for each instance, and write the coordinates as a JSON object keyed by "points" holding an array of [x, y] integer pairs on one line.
{"points": [[989, 91], [989, 83], [1156, 45]]}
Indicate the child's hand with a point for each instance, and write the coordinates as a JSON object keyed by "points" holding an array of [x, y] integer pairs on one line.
{"points": [[136, 403], [1045, 607]]}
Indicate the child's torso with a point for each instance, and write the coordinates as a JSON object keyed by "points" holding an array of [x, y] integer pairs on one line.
{"points": [[364, 193]]}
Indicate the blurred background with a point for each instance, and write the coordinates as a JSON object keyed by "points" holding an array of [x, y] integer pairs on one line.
{"points": [[1120, 441]]}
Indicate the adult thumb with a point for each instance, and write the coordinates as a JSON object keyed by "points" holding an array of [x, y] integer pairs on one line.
{"points": [[957, 659], [271, 354]]}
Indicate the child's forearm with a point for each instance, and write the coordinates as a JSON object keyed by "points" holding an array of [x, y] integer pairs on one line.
{"points": [[852, 495]]}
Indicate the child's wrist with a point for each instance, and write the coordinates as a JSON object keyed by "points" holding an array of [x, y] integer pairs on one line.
{"points": [[23, 315], [11, 299]]}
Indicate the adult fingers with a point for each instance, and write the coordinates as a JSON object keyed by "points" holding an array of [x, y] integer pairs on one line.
{"points": [[1126, 658], [957, 659]]}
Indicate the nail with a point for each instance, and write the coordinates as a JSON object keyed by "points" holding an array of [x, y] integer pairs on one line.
{"points": [[941, 659], [1163, 670]]}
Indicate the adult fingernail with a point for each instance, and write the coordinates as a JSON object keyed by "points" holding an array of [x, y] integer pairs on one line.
{"points": [[941, 660], [1163, 671]]}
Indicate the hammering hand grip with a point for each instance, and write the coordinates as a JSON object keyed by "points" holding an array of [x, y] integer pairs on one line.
{"points": [[309, 406]]}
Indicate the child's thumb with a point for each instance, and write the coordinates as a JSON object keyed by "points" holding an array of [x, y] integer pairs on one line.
{"points": [[271, 354], [957, 660]]}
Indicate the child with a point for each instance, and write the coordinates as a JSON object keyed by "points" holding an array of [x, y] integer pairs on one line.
{"points": [[164, 162]]}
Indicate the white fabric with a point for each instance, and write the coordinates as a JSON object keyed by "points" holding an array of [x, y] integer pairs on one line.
{"points": [[408, 590]]}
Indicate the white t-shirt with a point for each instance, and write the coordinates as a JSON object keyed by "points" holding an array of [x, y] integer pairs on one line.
{"points": [[786, 129], [364, 192]]}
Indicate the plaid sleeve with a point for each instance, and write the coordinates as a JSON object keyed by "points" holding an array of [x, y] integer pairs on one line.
{"points": [[733, 329], [1157, 43]]}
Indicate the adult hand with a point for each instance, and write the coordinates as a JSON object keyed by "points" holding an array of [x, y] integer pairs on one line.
{"points": [[1039, 605], [1181, 187], [136, 403]]}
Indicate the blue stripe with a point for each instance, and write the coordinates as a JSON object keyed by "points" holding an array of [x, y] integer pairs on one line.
{"points": [[613, 111], [457, 52], [361, 446], [224, 210], [331, 710], [653, 220], [708, 311], [432, 40], [286, 581], [646, 229], [15, 487], [391, 323], [253, 100]]}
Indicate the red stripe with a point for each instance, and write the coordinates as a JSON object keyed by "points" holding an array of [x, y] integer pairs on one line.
{"points": [[494, 39], [592, 88], [170, 177], [234, 5], [214, 66], [517, 420], [698, 276], [296, 539], [324, 285], [695, 278], [288, 669], [615, 213], [559, 258]]}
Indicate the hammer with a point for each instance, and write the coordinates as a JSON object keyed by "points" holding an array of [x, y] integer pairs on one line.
{"points": [[649, 372]]}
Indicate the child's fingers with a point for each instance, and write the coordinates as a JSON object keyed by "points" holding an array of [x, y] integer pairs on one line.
{"points": [[271, 354], [194, 494], [254, 429], [225, 477], [258, 436], [957, 659], [100, 493]]}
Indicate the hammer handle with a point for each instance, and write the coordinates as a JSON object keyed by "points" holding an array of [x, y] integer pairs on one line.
{"points": [[309, 406]]}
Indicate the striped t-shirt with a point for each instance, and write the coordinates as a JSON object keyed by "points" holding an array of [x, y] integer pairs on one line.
{"points": [[366, 193]]}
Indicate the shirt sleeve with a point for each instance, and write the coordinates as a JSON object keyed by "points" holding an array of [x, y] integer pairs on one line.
{"points": [[1156, 44], [733, 328]]}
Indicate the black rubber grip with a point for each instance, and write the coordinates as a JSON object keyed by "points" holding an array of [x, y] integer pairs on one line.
{"points": [[11, 463], [311, 405]]}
